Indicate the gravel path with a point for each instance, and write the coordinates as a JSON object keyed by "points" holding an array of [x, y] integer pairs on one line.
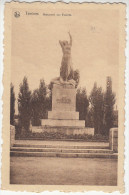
{"points": [[63, 171]]}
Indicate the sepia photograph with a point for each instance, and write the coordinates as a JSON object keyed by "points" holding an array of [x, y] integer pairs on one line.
{"points": [[65, 94]]}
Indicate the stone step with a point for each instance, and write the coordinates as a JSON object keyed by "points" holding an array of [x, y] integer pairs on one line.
{"points": [[58, 150], [63, 155], [67, 115], [62, 146], [63, 123]]}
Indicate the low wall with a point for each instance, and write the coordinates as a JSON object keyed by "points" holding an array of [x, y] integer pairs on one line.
{"points": [[12, 135], [113, 139], [63, 130]]}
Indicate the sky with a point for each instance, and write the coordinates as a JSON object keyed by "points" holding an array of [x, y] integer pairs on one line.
{"points": [[36, 52]]}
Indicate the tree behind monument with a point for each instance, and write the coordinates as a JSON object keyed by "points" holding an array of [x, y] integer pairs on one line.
{"points": [[82, 103], [109, 101], [24, 105]]}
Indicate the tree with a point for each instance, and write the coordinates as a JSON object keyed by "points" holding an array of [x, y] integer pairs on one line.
{"points": [[42, 92], [109, 101], [97, 108], [12, 104], [49, 98], [35, 106], [89, 119], [24, 106], [82, 103], [39, 103]]}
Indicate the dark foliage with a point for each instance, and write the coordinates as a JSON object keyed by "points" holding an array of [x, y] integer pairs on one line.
{"points": [[24, 106], [12, 104], [97, 108], [61, 136], [82, 103], [41, 102], [109, 101], [89, 119]]}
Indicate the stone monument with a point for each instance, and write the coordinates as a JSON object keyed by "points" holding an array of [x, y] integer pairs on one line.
{"points": [[63, 112]]}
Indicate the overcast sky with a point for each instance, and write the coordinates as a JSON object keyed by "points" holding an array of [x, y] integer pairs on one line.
{"points": [[36, 52]]}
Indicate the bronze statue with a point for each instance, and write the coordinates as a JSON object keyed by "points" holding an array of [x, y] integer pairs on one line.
{"points": [[67, 74], [66, 70]]}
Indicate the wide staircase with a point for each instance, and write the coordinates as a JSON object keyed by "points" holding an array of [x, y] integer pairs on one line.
{"points": [[64, 149]]}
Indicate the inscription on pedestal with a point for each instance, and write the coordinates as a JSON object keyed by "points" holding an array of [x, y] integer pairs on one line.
{"points": [[63, 98]]}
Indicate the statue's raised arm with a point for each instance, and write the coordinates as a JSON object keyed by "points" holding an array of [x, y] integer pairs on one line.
{"points": [[61, 43], [70, 38]]}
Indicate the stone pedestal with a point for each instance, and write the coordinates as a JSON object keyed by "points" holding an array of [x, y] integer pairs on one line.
{"points": [[63, 98], [12, 135], [63, 112], [113, 139]]}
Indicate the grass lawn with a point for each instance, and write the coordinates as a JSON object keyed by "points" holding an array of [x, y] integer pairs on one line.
{"points": [[63, 171]]}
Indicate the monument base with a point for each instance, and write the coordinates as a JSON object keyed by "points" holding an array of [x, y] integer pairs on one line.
{"points": [[63, 112], [63, 130]]}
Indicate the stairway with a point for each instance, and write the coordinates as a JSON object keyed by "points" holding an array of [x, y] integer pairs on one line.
{"points": [[62, 150]]}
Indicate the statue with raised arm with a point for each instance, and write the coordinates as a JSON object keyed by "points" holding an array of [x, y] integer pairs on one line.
{"points": [[66, 70], [67, 75]]}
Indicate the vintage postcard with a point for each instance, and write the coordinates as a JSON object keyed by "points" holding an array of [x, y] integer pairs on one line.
{"points": [[63, 113]]}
